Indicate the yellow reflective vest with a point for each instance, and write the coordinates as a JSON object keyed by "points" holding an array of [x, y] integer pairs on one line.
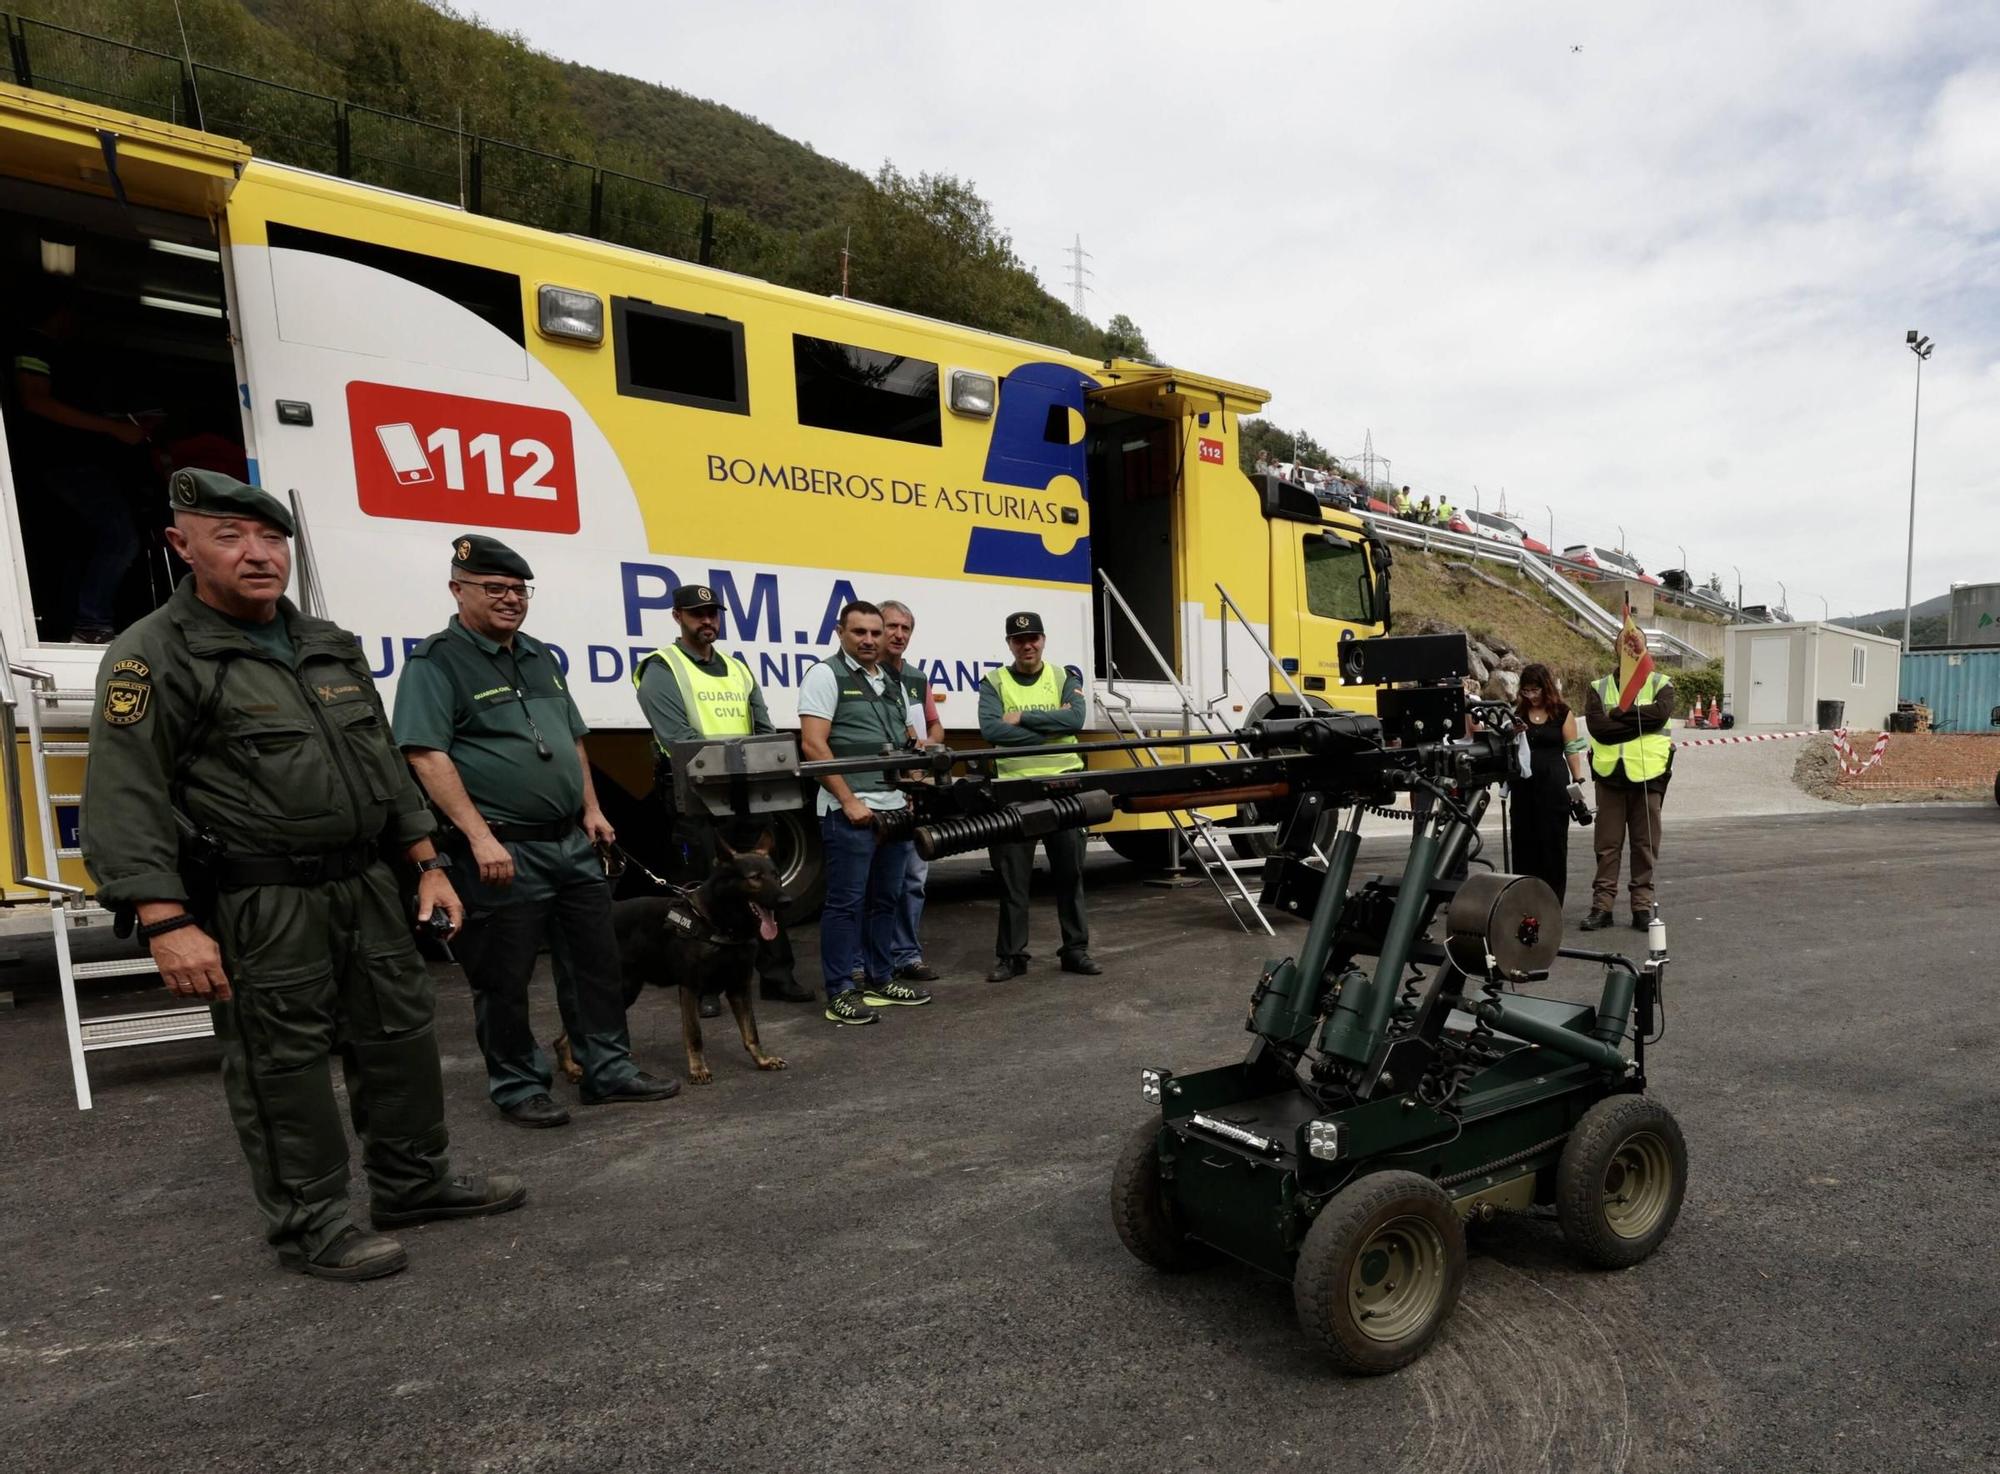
{"points": [[1044, 695], [718, 705], [1645, 757]]}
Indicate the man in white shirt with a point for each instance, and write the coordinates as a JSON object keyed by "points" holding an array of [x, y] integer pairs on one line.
{"points": [[849, 706]]}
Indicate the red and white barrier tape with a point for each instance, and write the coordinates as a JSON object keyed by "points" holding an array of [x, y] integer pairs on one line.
{"points": [[1846, 753], [1841, 747], [1743, 737]]}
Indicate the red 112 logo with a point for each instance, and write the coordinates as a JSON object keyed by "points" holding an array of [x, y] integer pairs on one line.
{"points": [[430, 457]]}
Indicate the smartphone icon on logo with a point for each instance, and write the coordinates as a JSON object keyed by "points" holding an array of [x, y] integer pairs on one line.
{"points": [[405, 452]]}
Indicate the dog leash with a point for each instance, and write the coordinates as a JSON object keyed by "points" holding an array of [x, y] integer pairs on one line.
{"points": [[617, 859]]}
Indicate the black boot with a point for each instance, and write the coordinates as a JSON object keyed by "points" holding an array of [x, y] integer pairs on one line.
{"points": [[1596, 921], [457, 1197], [711, 1005], [786, 990], [352, 1254]]}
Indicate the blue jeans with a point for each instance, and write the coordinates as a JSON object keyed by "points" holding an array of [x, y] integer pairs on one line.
{"points": [[907, 950], [864, 885]]}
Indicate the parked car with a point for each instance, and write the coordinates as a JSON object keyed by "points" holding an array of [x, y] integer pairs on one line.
{"points": [[1609, 561], [1498, 529]]}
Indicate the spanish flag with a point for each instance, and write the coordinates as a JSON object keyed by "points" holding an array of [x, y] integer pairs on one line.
{"points": [[1635, 661]]}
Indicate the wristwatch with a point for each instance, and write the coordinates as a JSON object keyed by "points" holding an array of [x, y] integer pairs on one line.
{"points": [[435, 862]]}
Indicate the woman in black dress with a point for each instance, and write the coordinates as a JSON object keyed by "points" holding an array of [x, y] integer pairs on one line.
{"points": [[1539, 824]]}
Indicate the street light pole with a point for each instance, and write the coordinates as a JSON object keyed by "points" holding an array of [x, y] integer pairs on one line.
{"points": [[1920, 346], [1552, 525], [1739, 588]]}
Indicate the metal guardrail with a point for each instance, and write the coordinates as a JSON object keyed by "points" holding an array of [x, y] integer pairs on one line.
{"points": [[1595, 616], [1546, 573], [350, 140]]}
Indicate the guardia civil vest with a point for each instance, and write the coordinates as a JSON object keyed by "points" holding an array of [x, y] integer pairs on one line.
{"points": [[717, 705], [1044, 695], [864, 723], [1644, 757]]}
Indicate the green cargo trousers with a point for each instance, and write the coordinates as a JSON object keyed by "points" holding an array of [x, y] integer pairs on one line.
{"points": [[319, 970]]}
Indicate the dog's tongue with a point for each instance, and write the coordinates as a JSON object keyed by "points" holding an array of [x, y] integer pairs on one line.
{"points": [[767, 923]]}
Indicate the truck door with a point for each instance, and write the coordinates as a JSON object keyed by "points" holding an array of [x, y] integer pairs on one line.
{"points": [[1325, 587], [108, 228]]}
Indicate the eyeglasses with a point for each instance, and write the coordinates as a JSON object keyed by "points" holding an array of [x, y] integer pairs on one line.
{"points": [[498, 591]]}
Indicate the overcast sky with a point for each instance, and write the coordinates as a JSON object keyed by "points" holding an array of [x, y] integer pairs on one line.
{"points": [[1658, 282]]}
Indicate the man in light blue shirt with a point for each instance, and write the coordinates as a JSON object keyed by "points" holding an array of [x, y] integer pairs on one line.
{"points": [[849, 706]]}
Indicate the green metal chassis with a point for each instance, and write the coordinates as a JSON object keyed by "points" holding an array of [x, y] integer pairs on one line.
{"points": [[1256, 1206]]}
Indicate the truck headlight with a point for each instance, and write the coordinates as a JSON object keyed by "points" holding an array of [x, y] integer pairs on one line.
{"points": [[972, 393], [564, 312], [1149, 1085], [1323, 1139]]}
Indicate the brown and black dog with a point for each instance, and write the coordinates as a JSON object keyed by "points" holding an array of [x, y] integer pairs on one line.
{"points": [[705, 942]]}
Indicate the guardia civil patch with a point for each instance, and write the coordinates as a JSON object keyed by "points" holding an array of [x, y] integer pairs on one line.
{"points": [[126, 702]]}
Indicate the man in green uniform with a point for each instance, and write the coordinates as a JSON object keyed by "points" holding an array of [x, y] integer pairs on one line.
{"points": [[241, 790], [688, 691], [1033, 704], [497, 741]]}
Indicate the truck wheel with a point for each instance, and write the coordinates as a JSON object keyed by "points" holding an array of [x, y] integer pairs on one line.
{"points": [[1144, 847], [1620, 1181], [1379, 1271], [1143, 1213], [1250, 846], [801, 866]]}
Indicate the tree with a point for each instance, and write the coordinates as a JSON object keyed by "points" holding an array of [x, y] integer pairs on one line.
{"points": [[1123, 339]]}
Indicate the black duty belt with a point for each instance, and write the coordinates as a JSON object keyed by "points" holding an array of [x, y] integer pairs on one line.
{"points": [[240, 872], [520, 833]]}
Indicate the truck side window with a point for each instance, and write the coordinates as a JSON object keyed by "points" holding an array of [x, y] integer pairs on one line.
{"points": [[676, 357], [1337, 580], [867, 392]]}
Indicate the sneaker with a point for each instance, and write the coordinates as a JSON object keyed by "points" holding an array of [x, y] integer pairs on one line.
{"points": [[883, 995], [848, 1008], [918, 972]]}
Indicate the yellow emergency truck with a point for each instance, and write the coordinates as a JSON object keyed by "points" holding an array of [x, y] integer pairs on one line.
{"points": [[401, 370]]}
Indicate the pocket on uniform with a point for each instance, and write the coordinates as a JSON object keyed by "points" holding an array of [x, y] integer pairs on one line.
{"points": [[285, 769], [367, 739], [292, 1018]]}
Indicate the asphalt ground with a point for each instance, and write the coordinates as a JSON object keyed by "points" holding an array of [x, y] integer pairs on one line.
{"points": [[897, 1254]]}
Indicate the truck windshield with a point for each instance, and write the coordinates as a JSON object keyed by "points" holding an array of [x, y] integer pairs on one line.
{"points": [[1337, 580]]}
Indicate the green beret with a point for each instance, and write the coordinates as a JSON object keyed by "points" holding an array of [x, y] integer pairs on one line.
{"points": [[474, 552], [212, 494]]}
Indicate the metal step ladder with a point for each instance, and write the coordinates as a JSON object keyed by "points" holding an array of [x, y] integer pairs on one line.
{"points": [[1196, 833], [68, 907]]}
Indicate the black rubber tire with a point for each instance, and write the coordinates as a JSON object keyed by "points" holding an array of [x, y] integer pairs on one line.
{"points": [[1591, 1153], [1250, 846], [796, 852], [1327, 1260], [1148, 848], [1144, 1215]]}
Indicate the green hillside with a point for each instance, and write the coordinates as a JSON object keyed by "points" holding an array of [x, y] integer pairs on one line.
{"points": [[925, 244]]}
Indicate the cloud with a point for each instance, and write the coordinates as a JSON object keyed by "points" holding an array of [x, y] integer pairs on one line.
{"points": [[1958, 157], [1659, 283]]}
